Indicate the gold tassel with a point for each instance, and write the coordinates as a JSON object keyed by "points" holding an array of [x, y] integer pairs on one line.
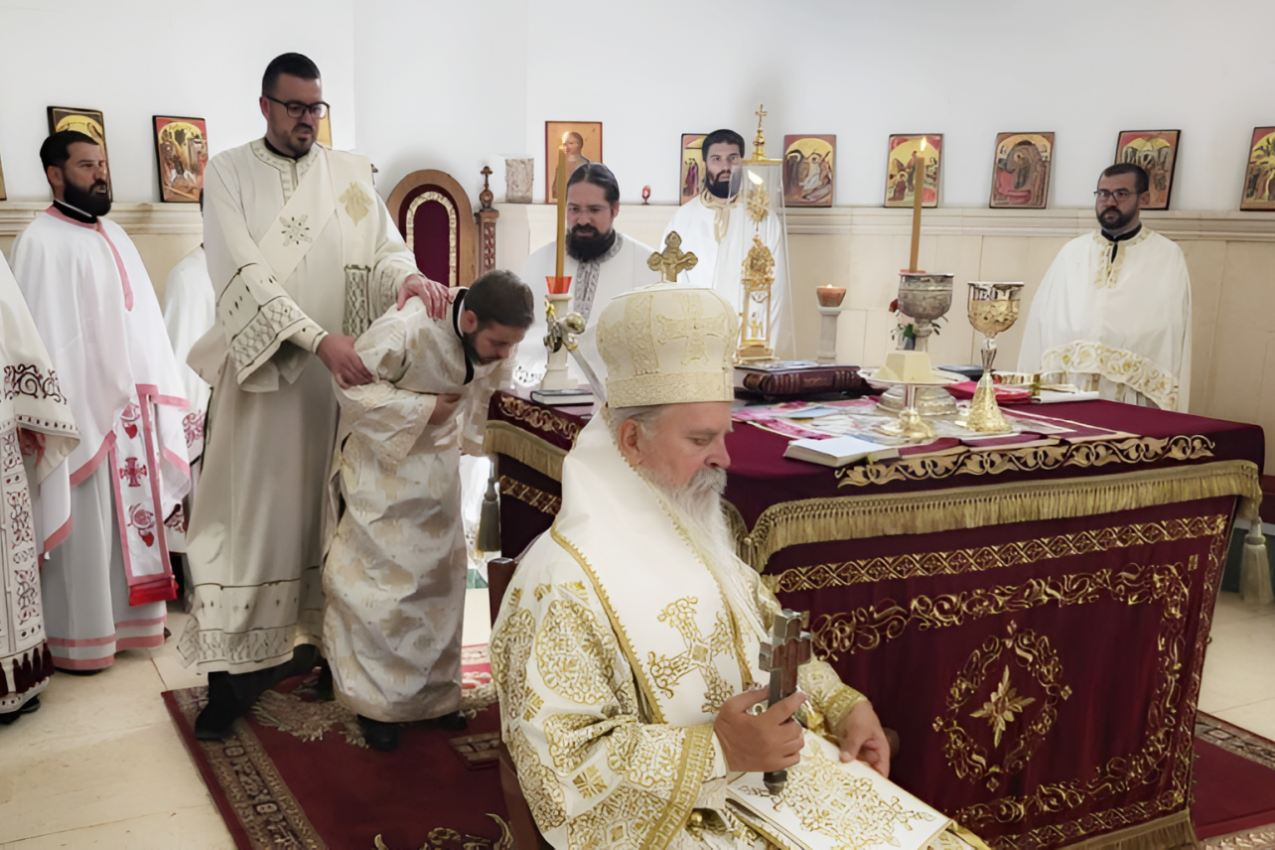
{"points": [[489, 523], [1255, 566], [1172, 832]]}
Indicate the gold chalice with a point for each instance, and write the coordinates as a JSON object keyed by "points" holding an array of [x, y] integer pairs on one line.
{"points": [[993, 308]]}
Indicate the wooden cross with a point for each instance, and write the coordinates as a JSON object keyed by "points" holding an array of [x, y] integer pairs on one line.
{"points": [[788, 649], [672, 260]]}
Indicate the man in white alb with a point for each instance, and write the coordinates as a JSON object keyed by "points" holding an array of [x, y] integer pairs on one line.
{"points": [[1114, 309], [302, 254], [190, 311], [601, 261], [717, 228], [106, 586], [394, 572]]}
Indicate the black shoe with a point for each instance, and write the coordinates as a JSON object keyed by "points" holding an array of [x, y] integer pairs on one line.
{"points": [[454, 722], [379, 734], [217, 721], [31, 705]]}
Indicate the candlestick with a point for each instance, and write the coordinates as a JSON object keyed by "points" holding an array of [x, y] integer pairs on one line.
{"points": [[918, 197], [562, 210]]}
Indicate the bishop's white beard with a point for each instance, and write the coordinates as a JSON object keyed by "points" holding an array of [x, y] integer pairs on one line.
{"points": [[696, 508]]}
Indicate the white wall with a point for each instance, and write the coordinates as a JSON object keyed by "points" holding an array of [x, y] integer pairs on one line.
{"points": [[132, 59], [1085, 69], [444, 85]]}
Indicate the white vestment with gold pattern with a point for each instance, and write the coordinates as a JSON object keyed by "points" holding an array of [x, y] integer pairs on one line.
{"points": [[614, 650], [1121, 326], [394, 574], [713, 228], [296, 249]]}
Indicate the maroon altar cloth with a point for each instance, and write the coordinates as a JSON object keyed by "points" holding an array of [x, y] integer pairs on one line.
{"points": [[1037, 640]]}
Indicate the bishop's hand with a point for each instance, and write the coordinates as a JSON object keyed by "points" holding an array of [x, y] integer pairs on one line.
{"points": [[760, 743], [444, 408], [863, 738], [338, 354], [436, 296]]}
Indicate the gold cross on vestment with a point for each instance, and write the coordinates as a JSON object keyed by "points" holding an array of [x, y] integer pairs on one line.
{"points": [[700, 654], [693, 328], [672, 260]]}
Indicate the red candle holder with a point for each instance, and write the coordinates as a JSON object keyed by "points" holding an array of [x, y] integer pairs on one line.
{"points": [[558, 285]]}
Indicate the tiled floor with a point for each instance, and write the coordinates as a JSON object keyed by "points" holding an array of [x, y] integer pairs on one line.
{"points": [[100, 765]]}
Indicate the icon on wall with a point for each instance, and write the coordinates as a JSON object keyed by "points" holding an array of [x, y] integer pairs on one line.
{"points": [[181, 153]]}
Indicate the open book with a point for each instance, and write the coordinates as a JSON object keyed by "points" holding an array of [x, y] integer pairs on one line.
{"points": [[833, 805]]}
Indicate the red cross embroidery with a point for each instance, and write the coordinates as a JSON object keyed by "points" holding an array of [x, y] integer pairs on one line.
{"points": [[133, 472]]}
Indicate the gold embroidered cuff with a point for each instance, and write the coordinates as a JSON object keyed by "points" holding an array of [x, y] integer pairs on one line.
{"points": [[841, 703]]}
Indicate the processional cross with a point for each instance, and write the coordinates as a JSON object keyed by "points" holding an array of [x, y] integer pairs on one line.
{"points": [[789, 648], [672, 261]]}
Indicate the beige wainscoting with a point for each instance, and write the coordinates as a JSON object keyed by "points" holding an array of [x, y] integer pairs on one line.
{"points": [[1231, 256], [163, 233]]}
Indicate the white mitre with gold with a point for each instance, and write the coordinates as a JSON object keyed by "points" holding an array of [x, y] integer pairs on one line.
{"points": [[668, 344]]}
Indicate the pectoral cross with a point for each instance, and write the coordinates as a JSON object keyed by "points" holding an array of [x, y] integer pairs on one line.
{"points": [[788, 649], [672, 261]]}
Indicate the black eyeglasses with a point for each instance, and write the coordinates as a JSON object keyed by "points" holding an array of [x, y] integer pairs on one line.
{"points": [[1101, 194], [296, 109]]}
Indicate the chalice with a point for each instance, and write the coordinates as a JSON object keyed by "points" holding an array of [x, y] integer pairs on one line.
{"points": [[993, 308], [923, 298]]}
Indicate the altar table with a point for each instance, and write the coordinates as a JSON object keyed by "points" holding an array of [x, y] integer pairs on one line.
{"points": [[1032, 621]]}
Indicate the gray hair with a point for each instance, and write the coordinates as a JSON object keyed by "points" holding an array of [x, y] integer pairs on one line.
{"points": [[646, 416]]}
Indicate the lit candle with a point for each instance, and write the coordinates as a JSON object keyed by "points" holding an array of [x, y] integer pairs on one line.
{"points": [[918, 197], [562, 210], [830, 296]]}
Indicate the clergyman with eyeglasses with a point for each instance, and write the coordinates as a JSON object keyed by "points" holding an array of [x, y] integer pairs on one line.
{"points": [[1114, 310], [303, 256]]}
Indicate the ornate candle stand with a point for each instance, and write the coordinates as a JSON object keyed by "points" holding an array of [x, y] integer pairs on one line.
{"points": [[830, 298], [561, 338], [923, 298], [993, 308]]}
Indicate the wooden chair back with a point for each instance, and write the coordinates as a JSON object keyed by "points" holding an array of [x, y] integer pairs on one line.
{"points": [[434, 215]]}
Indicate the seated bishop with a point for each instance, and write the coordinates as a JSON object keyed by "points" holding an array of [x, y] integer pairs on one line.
{"points": [[1114, 310], [602, 263], [628, 641]]}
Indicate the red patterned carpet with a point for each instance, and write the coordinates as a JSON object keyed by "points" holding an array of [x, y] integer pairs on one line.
{"points": [[297, 774]]}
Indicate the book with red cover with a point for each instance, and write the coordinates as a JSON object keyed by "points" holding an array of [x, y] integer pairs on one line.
{"points": [[798, 378]]}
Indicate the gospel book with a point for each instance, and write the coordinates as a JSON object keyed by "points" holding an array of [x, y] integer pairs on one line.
{"points": [[829, 804]]}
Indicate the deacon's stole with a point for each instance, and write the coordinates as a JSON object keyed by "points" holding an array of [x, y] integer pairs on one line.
{"points": [[254, 310]]}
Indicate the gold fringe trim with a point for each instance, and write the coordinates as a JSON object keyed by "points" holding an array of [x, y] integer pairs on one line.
{"points": [[928, 512], [511, 441], [1173, 832]]}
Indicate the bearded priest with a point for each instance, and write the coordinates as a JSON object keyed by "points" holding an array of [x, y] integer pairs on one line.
{"points": [[105, 586], [1114, 310], [602, 263], [718, 230], [628, 641], [303, 255]]}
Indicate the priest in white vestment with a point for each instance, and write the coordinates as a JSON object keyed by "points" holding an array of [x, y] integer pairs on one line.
{"points": [[601, 261], [190, 311], [394, 574], [106, 586], [303, 255], [627, 644], [716, 225], [1114, 310], [37, 434]]}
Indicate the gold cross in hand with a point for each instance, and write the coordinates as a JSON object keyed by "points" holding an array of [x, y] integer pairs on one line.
{"points": [[672, 260]]}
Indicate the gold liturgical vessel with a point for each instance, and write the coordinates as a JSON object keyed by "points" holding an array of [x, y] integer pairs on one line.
{"points": [[761, 192], [993, 309]]}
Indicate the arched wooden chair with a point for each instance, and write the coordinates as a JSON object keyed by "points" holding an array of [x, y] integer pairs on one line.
{"points": [[433, 213], [500, 571]]}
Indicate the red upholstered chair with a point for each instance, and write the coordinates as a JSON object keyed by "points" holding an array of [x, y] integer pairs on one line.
{"points": [[500, 571], [433, 213]]}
